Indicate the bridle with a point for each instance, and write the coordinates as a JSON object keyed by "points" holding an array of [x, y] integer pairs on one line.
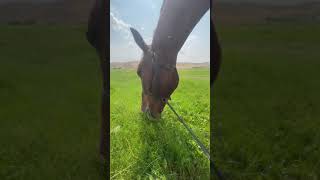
{"points": [[168, 67], [156, 66], [160, 65]]}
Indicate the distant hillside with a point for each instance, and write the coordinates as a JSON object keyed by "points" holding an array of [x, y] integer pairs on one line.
{"points": [[59, 11], [226, 12], [274, 2], [134, 65], [244, 13]]}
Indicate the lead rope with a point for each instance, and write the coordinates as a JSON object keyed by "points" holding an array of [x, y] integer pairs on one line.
{"points": [[202, 147]]}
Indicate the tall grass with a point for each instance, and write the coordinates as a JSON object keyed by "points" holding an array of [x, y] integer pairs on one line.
{"points": [[267, 102], [49, 104], [141, 148]]}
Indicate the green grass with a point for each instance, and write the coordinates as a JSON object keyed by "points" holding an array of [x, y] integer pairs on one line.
{"points": [[50, 113], [267, 115], [49, 104], [267, 102], [144, 149]]}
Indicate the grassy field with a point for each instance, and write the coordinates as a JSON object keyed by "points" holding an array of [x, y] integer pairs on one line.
{"points": [[267, 102], [49, 104], [143, 149]]}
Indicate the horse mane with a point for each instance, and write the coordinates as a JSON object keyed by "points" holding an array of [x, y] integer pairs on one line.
{"points": [[216, 54]]}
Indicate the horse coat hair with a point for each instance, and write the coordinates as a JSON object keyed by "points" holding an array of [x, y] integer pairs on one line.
{"points": [[94, 25]]}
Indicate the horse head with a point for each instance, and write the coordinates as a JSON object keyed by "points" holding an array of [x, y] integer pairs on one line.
{"points": [[159, 78]]}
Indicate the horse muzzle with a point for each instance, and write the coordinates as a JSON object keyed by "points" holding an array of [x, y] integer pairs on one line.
{"points": [[152, 115]]}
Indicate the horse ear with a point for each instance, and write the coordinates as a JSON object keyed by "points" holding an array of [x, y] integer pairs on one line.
{"points": [[139, 40]]}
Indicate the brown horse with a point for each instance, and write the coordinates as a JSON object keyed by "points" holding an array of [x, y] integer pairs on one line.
{"points": [[216, 54], [157, 69], [97, 37]]}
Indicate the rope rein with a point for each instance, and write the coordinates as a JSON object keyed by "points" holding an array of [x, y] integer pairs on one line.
{"points": [[202, 147]]}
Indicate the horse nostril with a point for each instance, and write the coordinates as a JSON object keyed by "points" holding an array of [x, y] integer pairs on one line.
{"points": [[151, 116]]}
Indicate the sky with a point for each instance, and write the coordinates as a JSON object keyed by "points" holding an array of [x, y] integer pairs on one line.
{"points": [[143, 16]]}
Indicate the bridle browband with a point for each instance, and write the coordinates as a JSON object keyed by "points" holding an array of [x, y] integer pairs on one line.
{"points": [[160, 65]]}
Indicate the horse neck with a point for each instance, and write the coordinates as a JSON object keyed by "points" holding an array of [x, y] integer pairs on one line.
{"points": [[177, 20]]}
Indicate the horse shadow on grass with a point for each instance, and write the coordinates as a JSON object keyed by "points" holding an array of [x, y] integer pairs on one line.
{"points": [[168, 151]]}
